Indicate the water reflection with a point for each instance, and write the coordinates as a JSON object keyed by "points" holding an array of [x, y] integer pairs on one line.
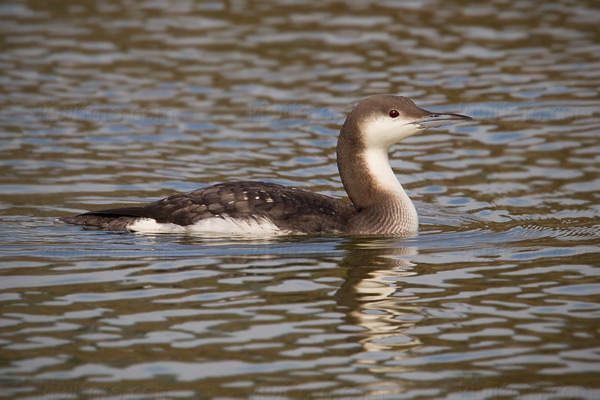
{"points": [[349, 309], [371, 294]]}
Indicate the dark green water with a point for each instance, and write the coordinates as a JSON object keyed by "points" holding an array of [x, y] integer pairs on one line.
{"points": [[109, 103]]}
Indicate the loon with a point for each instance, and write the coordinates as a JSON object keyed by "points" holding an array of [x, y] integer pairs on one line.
{"points": [[380, 206]]}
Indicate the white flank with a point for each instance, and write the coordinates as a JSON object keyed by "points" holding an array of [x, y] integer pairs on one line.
{"points": [[226, 224], [216, 225], [149, 225]]}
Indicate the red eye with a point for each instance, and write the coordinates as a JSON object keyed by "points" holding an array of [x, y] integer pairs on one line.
{"points": [[394, 113]]}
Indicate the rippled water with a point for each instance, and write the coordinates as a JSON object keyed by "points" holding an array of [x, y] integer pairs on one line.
{"points": [[119, 102]]}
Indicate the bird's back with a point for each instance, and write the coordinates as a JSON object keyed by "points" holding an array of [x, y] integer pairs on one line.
{"points": [[239, 204]]}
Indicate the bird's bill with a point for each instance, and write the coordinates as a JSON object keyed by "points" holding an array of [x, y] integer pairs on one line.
{"points": [[434, 120]]}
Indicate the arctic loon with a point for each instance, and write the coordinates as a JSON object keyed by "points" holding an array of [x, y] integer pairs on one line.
{"points": [[379, 203]]}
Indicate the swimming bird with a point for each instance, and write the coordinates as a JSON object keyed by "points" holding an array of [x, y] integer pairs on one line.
{"points": [[379, 205]]}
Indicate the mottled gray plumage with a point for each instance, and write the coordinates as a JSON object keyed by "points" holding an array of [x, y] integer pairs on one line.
{"points": [[379, 204], [289, 208]]}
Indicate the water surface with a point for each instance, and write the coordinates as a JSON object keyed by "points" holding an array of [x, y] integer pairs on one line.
{"points": [[113, 103]]}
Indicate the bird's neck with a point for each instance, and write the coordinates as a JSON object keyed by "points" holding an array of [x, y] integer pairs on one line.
{"points": [[372, 185]]}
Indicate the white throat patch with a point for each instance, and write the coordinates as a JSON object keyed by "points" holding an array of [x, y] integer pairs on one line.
{"points": [[382, 132]]}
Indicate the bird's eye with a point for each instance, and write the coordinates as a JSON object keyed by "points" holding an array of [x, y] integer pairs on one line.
{"points": [[394, 113]]}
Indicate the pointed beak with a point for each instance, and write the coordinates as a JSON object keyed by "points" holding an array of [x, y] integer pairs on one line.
{"points": [[434, 120]]}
